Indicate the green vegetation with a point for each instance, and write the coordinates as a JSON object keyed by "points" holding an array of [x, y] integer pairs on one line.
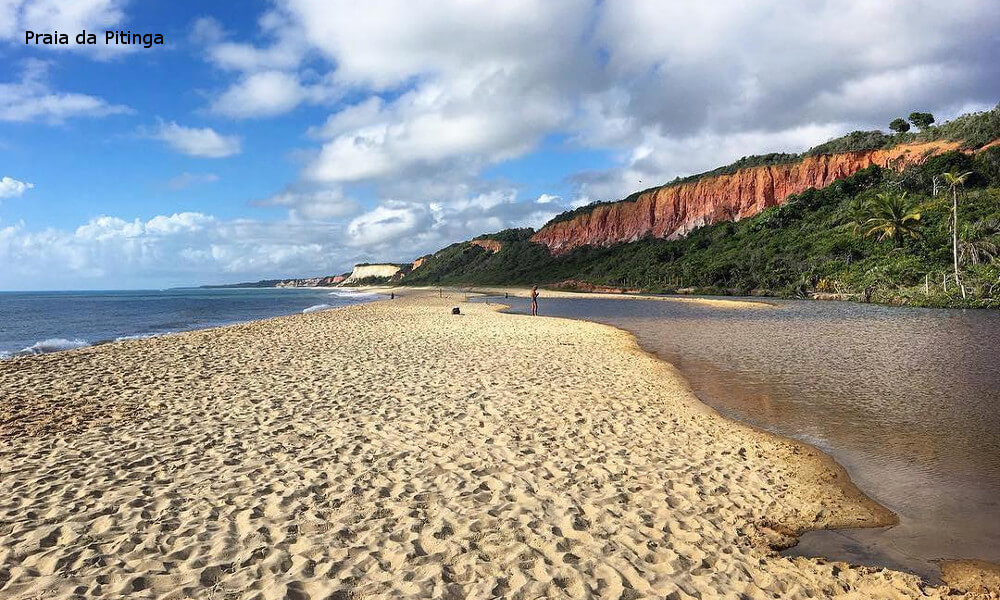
{"points": [[860, 238], [508, 235], [921, 120], [373, 280], [890, 216], [899, 125], [857, 141]]}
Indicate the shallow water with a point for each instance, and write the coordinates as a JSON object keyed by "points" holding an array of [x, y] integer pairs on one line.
{"points": [[38, 322], [908, 400]]}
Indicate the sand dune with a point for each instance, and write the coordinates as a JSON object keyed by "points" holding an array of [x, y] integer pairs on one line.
{"points": [[395, 450]]}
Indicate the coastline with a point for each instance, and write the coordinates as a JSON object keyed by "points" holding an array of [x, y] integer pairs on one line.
{"points": [[46, 322], [622, 396]]}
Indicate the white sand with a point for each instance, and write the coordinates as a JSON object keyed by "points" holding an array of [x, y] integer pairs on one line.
{"points": [[395, 450]]}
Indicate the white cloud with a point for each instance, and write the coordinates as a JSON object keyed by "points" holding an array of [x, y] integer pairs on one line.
{"points": [[46, 16], [178, 222], [178, 249], [206, 31], [429, 127], [12, 188], [413, 228], [733, 66], [314, 204], [31, 99], [390, 42], [388, 222], [266, 94], [244, 57], [203, 142]]}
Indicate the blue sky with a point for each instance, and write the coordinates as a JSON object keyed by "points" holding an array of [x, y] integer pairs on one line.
{"points": [[296, 137]]}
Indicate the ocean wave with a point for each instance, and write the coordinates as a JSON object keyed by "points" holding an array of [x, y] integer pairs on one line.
{"points": [[316, 308], [54, 345]]}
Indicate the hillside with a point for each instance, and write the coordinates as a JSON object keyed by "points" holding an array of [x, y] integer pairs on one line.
{"points": [[812, 240]]}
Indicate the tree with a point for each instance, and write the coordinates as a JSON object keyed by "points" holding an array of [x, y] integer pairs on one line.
{"points": [[955, 180], [979, 242], [892, 217], [899, 125], [921, 120], [856, 216]]}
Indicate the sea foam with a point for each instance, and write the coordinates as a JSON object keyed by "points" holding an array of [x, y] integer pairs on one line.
{"points": [[352, 294], [54, 345], [316, 308]]}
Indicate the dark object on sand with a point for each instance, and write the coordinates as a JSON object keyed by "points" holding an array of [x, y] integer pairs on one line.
{"points": [[455, 311]]}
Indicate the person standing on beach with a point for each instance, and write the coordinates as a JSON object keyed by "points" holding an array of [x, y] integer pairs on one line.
{"points": [[534, 300]]}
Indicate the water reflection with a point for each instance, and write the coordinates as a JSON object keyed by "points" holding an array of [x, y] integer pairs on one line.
{"points": [[906, 399]]}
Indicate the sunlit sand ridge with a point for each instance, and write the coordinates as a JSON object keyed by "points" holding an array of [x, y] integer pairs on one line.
{"points": [[393, 449]]}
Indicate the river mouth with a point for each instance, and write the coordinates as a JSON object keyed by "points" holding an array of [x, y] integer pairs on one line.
{"points": [[907, 400]]}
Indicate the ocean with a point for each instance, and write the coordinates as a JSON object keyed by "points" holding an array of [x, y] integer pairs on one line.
{"points": [[40, 322]]}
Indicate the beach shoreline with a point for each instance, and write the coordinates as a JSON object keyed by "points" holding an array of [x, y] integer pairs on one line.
{"points": [[790, 487]]}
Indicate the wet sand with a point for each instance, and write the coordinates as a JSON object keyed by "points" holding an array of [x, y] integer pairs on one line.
{"points": [[394, 450]]}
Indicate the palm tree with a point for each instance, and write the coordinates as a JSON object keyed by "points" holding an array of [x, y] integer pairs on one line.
{"points": [[979, 242], [955, 180], [892, 216], [855, 216]]}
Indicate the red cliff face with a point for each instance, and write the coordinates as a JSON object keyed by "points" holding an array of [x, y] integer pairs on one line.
{"points": [[672, 211]]}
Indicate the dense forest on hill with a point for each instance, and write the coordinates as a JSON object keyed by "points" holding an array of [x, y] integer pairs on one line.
{"points": [[879, 235]]}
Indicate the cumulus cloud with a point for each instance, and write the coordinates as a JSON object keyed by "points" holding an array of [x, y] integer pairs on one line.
{"points": [[18, 16], [426, 227], [730, 66], [426, 128], [32, 99], [12, 188], [203, 142], [387, 222], [177, 249], [313, 204], [206, 31], [266, 94], [269, 81]]}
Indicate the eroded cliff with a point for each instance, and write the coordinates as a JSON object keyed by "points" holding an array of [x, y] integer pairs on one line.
{"points": [[673, 210]]}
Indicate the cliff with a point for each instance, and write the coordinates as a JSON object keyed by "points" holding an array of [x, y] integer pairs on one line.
{"points": [[310, 282], [673, 210], [381, 271]]}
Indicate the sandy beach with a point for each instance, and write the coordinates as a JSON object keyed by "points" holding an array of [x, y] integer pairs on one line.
{"points": [[721, 303], [394, 450]]}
